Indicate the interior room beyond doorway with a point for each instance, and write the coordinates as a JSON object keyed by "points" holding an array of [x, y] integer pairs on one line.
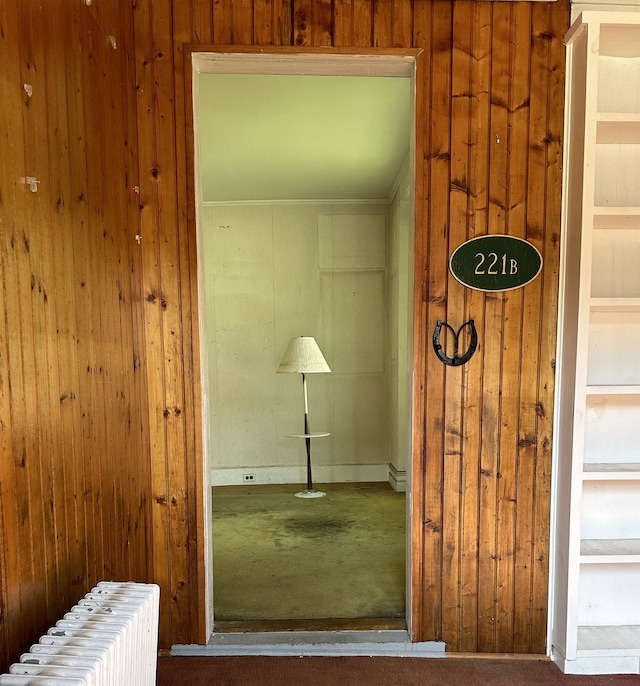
{"points": [[335, 266]]}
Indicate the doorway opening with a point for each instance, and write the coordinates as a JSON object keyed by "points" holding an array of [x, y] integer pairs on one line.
{"points": [[304, 171]]}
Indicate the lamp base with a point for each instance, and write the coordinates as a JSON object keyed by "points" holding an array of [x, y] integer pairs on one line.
{"points": [[310, 494]]}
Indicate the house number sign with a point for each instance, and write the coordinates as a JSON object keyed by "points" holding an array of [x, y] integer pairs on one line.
{"points": [[495, 263]]}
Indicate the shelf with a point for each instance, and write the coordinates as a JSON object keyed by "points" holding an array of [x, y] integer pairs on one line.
{"points": [[611, 217], [318, 434], [630, 118], [615, 304], [611, 471], [598, 578], [617, 128], [609, 640], [619, 37], [610, 551], [613, 390]]}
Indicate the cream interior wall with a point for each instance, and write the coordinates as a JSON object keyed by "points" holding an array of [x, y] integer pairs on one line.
{"points": [[330, 271]]}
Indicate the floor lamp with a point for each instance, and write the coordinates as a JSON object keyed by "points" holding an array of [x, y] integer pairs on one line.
{"points": [[304, 357]]}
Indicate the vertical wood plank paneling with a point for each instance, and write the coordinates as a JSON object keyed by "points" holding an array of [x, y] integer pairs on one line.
{"points": [[139, 528], [127, 253], [362, 24], [189, 353], [481, 465], [84, 319], [382, 23], [438, 153], [419, 552], [68, 421], [422, 33], [202, 21], [402, 24], [302, 22], [111, 324], [222, 18], [282, 22], [60, 355], [472, 434], [557, 26], [81, 316], [455, 379], [468, 430], [13, 625], [516, 139], [511, 137], [242, 30], [493, 336], [137, 541], [170, 302], [343, 23], [194, 446], [527, 441], [11, 619], [94, 303], [33, 486], [263, 28], [322, 23], [145, 76], [76, 413]]}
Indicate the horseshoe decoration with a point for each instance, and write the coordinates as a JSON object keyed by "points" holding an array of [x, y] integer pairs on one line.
{"points": [[456, 360]]}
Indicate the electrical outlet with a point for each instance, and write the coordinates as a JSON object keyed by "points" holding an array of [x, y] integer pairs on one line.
{"points": [[248, 477]]}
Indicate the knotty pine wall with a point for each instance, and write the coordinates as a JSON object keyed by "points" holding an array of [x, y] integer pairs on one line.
{"points": [[74, 427], [101, 473], [489, 160]]}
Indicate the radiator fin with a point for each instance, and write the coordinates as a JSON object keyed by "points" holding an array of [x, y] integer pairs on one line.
{"points": [[109, 638]]}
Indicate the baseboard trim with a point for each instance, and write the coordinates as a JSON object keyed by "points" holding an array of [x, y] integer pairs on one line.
{"points": [[597, 663], [610, 664], [397, 478], [322, 474]]}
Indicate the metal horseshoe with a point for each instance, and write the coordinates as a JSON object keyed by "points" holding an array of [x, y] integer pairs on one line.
{"points": [[456, 360]]}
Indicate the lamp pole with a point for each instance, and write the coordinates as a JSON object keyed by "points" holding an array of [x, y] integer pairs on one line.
{"points": [[307, 433]]}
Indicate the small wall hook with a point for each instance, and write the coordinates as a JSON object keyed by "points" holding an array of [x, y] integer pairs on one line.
{"points": [[456, 360], [32, 182]]}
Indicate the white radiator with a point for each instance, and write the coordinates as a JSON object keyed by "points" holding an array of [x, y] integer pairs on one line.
{"points": [[109, 638]]}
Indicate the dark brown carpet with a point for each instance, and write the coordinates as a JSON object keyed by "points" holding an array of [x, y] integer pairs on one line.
{"points": [[371, 671]]}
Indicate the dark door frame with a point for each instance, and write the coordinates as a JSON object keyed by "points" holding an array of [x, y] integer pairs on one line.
{"points": [[335, 62]]}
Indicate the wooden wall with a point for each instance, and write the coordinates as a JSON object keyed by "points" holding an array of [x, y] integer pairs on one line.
{"points": [[100, 472], [74, 440], [491, 112], [493, 150]]}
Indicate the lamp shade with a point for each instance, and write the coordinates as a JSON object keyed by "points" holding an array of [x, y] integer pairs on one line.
{"points": [[303, 356]]}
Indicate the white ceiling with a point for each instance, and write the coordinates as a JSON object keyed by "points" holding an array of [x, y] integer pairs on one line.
{"points": [[274, 137]]}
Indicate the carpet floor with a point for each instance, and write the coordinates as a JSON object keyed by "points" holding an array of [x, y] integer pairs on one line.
{"points": [[278, 557], [372, 671]]}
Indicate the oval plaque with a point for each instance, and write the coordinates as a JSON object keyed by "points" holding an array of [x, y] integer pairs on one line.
{"points": [[495, 263]]}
